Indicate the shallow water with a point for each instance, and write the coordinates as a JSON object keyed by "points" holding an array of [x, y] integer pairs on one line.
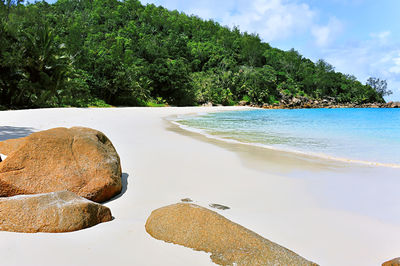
{"points": [[359, 135]]}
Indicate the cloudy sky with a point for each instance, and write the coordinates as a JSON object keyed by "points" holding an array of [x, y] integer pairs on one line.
{"points": [[359, 37]]}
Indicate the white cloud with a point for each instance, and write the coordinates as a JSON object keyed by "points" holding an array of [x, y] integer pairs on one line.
{"points": [[395, 69], [381, 35], [326, 34], [371, 58], [271, 19]]}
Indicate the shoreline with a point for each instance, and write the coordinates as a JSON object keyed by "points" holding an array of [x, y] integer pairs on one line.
{"points": [[307, 155], [330, 213]]}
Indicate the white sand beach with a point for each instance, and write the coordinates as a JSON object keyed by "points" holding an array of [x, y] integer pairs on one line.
{"points": [[328, 212]]}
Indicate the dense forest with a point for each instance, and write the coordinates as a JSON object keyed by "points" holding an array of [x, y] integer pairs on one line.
{"points": [[122, 53]]}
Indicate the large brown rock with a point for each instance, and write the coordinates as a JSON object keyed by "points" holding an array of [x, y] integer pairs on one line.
{"points": [[81, 160], [393, 262], [10, 145], [230, 243], [54, 212]]}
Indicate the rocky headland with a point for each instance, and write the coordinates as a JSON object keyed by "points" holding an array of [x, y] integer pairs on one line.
{"points": [[328, 102]]}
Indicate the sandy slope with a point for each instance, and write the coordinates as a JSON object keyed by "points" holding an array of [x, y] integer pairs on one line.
{"points": [[288, 200]]}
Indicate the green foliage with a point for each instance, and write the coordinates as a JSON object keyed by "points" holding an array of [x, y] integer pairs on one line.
{"points": [[112, 53], [246, 98], [214, 87], [158, 102], [154, 104], [95, 103]]}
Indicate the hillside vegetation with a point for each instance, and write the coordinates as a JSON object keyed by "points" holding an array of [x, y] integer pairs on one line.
{"points": [[109, 52]]}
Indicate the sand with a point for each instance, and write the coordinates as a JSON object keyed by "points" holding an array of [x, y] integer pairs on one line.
{"points": [[328, 212]]}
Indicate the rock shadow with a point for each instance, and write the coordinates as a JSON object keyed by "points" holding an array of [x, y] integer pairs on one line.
{"points": [[9, 132], [124, 180]]}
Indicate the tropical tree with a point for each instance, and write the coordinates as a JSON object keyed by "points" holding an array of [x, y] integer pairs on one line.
{"points": [[45, 69], [380, 86]]}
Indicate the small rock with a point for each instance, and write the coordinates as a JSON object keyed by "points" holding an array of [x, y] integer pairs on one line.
{"points": [[296, 101], [54, 212], [219, 207], [186, 200]]}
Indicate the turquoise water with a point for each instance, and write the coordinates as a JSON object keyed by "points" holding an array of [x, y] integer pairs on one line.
{"points": [[361, 135]]}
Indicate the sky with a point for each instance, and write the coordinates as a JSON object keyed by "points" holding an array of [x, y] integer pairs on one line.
{"points": [[358, 37]]}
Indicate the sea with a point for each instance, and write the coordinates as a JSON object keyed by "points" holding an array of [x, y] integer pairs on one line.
{"points": [[359, 135]]}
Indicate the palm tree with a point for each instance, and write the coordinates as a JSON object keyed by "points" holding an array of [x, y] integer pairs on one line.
{"points": [[46, 68]]}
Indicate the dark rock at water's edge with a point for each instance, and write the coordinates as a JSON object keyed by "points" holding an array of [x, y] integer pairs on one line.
{"points": [[229, 243], [329, 102], [54, 212], [80, 160], [392, 105]]}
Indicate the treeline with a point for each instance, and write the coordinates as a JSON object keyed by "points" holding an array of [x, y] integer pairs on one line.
{"points": [[100, 52]]}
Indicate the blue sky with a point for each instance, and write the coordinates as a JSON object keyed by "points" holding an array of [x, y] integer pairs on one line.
{"points": [[359, 37]]}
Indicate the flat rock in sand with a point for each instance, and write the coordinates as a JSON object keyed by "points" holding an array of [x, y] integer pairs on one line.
{"points": [[55, 212], [230, 243], [81, 160]]}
